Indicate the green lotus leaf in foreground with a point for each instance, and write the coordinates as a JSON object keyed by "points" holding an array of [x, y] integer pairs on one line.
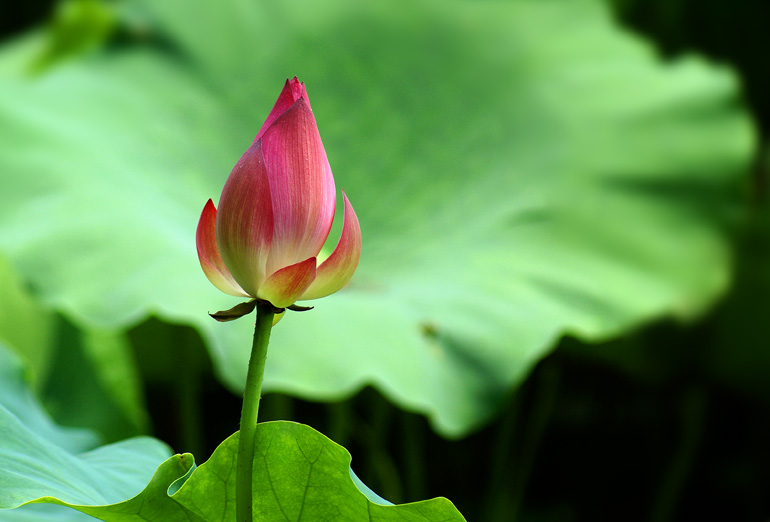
{"points": [[39, 459], [522, 170], [298, 475], [297, 471]]}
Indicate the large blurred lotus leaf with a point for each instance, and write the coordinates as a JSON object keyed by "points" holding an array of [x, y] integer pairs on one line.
{"points": [[521, 170], [85, 377], [19, 402], [26, 326]]}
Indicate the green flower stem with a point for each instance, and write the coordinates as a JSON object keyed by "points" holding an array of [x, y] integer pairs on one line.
{"points": [[251, 397]]}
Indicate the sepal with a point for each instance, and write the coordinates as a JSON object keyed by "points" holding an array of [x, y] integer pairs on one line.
{"points": [[235, 312]]}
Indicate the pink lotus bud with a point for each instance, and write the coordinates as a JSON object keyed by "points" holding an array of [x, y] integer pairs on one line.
{"points": [[275, 214]]}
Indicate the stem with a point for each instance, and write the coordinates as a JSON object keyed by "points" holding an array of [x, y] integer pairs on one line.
{"points": [[251, 394], [518, 439], [413, 440], [692, 416], [543, 404], [188, 389], [503, 462]]}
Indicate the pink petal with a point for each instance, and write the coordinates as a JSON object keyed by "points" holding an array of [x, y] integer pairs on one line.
{"points": [[245, 220], [301, 186], [208, 253], [336, 271], [292, 91], [286, 285]]}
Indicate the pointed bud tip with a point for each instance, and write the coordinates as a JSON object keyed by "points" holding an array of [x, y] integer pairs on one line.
{"points": [[297, 88]]}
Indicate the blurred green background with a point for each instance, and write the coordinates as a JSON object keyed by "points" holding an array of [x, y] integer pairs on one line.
{"points": [[560, 309]]}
